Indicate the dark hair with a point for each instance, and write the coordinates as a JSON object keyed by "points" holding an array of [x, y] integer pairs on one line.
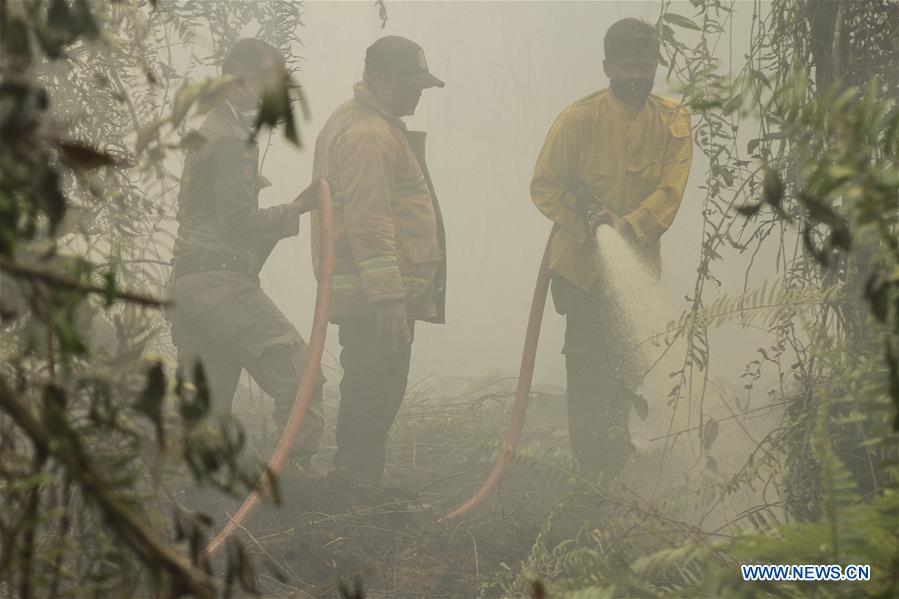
{"points": [[250, 54], [631, 37]]}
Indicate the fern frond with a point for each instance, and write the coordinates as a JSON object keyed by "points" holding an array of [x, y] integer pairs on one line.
{"points": [[840, 491], [769, 303]]}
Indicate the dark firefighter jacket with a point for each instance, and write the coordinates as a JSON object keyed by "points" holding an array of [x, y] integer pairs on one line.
{"points": [[389, 239]]}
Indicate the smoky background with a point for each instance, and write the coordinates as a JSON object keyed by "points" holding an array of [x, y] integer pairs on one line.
{"points": [[778, 409], [510, 68]]}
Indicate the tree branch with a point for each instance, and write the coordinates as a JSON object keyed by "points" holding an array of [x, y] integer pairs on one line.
{"points": [[124, 523], [21, 271]]}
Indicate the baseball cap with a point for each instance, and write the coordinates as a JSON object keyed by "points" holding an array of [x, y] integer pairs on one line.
{"points": [[402, 58]]}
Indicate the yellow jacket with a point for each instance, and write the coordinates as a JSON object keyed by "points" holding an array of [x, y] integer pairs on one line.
{"points": [[637, 162]]}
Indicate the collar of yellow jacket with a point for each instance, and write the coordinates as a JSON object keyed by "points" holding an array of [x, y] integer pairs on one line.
{"points": [[626, 111], [362, 94]]}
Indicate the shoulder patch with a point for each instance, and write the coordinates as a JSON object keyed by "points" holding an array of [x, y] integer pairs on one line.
{"points": [[679, 122], [675, 116], [666, 103], [247, 167]]}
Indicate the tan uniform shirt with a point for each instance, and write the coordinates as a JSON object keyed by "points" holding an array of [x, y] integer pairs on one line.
{"points": [[637, 162], [218, 205]]}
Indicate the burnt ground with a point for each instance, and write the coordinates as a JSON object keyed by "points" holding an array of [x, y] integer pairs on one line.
{"points": [[439, 452]]}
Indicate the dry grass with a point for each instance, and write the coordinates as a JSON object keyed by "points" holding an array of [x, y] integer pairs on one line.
{"points": [[441, 449]]}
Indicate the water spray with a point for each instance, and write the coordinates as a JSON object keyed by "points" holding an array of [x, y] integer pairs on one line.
{"points": [[310, 372]]}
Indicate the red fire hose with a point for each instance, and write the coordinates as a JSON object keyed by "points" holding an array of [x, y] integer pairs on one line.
{"points": [[522, 393], [310, 372]]}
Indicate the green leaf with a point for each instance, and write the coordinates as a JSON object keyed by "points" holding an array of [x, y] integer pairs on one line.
{"points": [[733, 104], [185, 97], [51, 44], [709, 433], [276, 108], [841, 172], [155, 387], [877, 293], [16, 42], [760, 77], [890, 144], [641, 406], [212, 91], [69, 340], [150, 402], [58, 15], [146, 134], [51, 199], [681, 21], [109, 280], [773, 188], [55, 397], [667, 33], [194, 407], [35, 480], [193, 141], [84, 18], [750, 210], [84, 157]]}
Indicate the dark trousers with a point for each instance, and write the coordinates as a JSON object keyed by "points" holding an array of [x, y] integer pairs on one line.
{"points": [[277, 372], [598, 414], [371, 391], [603, 371]]}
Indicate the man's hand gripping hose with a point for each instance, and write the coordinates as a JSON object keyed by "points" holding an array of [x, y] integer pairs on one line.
{"points": [[310, 372], [595, 212]]}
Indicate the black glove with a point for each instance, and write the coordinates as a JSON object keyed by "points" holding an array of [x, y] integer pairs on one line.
{"points": [[595, 212], [588, 206]]}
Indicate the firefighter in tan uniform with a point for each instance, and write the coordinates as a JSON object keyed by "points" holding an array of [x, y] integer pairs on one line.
{"points": [[390, 255], [222, 315], [621, 157]]}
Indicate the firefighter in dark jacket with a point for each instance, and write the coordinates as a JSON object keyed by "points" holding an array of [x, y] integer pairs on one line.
{"points": [[222, 315], [390, 256]]}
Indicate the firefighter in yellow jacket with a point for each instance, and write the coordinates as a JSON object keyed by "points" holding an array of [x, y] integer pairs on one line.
{"points": [[390, 259], [620, 156]]}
